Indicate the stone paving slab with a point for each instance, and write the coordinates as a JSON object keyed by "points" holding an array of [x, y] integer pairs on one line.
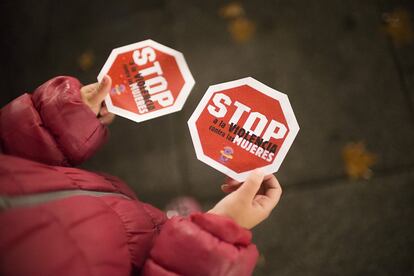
{"points": [[343, 228]]}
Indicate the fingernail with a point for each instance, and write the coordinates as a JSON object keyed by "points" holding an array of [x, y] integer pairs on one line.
{"points": [[104, 79], [225, 186]]}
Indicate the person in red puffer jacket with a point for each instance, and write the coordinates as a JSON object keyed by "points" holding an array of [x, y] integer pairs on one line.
{"points": [[56, 219]]}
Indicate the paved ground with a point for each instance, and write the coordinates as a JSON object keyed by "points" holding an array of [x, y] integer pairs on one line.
{"points": [[347, 81]]}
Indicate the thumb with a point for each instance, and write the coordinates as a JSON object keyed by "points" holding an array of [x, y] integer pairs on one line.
{"points": [[251, 186], [102, 90]]}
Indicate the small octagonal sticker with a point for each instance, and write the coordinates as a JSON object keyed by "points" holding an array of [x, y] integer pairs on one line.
{"points": [[148, 80], [242, 125]]}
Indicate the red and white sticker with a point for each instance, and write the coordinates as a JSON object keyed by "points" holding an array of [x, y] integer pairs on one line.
{"points": [[242, 125], [148, 80]]}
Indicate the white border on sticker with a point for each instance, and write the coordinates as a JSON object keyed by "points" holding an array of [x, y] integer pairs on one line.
{"points": [[182, 95], [260, 87]]}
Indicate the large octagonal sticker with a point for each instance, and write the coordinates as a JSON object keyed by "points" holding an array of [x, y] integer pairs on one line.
{"points": [[148, 80], [242, 125]]}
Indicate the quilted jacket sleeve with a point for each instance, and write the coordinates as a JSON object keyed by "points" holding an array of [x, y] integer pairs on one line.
{"points": [[204, 244], [52, 125]]}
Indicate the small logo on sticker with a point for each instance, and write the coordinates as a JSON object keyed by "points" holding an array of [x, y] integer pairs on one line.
{"points": [[118, 89], [226, 154]]}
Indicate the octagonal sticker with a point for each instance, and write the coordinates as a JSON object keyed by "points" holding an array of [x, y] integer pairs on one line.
{"points": [[148, 80], [242, 125]]}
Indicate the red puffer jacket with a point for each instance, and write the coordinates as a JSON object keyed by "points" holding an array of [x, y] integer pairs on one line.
{"points": [[59, 220]]}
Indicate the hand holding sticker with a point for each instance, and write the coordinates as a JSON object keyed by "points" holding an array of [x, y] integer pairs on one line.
{"points": [[251, 202], [93, 96]]}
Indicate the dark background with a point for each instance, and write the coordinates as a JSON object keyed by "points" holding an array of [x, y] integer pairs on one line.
{"points": [[348, 81]]}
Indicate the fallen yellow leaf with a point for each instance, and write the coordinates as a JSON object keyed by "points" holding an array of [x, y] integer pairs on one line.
{"points": [[231, 10], [358, 161], [86, 60], [242, 29], [398, 26]]}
